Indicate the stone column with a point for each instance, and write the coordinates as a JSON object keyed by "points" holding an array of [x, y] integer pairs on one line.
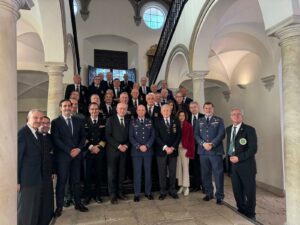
{"points": [[198, 79], [55, 89], [8, 100], [290, 53]]}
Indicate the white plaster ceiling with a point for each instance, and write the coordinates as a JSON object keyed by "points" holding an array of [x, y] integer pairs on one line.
{"points": [[239, 33], [32, 84]]}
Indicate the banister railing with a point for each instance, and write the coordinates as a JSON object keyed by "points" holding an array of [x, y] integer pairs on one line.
{"points": [[172, 19]]}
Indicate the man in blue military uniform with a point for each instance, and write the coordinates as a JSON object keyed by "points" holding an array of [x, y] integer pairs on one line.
{"points": [[209, 133], [141, 136]]}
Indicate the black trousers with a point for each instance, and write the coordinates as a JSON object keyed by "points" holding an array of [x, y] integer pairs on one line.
{"points": [[116, 171], [29, 199], [93, 174], [164, 163], [65, 169], [47, 201], [244, 190], [196, 171]]}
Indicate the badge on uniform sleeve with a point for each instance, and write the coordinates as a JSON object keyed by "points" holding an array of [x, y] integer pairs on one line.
{"points": [[243, 141]]}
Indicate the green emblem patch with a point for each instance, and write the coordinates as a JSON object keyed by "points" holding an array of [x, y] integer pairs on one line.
{"points": [[243, 141]]}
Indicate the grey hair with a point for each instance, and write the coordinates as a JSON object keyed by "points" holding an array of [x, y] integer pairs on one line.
{"points": [[33, 111], [237, 108]]}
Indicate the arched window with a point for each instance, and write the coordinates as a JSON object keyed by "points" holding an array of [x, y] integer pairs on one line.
{"points": [[76, 6]]}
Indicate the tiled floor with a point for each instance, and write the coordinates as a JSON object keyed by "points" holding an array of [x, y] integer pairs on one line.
{"points": [[191, 210]]}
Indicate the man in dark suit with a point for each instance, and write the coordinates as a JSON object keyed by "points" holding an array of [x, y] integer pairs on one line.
{"points": [[195, 163], [69, 138], [241, 148], [77, 86], [107, 106], [126, 84], [209, 133], [153, 111], [179, 104], [168, 135], [164, 85], [29, 170], [109, 81], [116, 133], [95, 87], [95, 147], [144, 89], [136, 99], [116, 90], [141, 136], [186, 99]]}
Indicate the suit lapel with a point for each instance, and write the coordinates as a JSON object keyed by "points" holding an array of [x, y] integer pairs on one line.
{"points": [[240, 132], [32, 137], [65, 125]]}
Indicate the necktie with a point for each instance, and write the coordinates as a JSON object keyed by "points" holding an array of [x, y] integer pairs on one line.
{"points": [[144, 90], [69, 125], [122, 122], [142, 121], [231, 146], [167, 123], [77, 88], [94, 122], [150, 111], [135, 104], [194, 121], [207, 120], [37, 135]]}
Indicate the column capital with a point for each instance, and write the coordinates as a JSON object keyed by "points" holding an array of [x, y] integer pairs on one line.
{"points": [[288, 33], [55, 68], [15, 5], [198, 74]]}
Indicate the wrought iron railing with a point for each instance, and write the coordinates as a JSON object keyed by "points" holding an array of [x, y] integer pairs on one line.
{"points": [[172, 19], [73, 20]]}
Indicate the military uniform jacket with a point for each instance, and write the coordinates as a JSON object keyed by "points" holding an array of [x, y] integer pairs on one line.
{"points": [[95, 135], [141, 134], [167, 136], [245, 147], [213, 132]]}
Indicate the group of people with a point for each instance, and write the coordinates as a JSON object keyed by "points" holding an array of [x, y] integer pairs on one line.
{"points": [[114, 123]]}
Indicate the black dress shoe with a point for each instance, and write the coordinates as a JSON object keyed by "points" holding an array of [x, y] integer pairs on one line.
{"points": [[136, 199], [207, 198], [67, 203], [162, 197], [150, 197], [58, 212], [98, 199], [122, 197], [80, 207], [87, 201], [195, 189], [174, 195], [219, 201], [114, 201]]}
